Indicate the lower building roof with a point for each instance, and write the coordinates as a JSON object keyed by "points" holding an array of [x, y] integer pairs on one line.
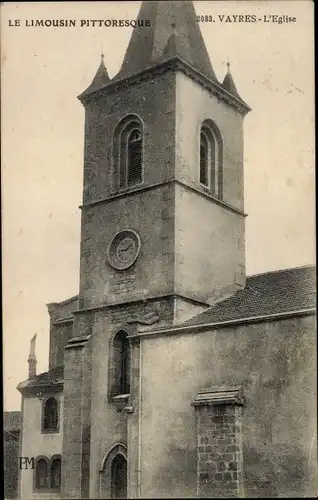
{"points": [[265, 294]]}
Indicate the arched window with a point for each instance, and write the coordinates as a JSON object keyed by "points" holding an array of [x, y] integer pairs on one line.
{"points": [[121, 360], [211, 161], [56, 473], [119, 477], [50, 415], [41, 473], [113, 473], [128, 152]]}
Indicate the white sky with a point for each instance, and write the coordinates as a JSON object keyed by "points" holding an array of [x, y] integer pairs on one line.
{"points": [[44, 69]]}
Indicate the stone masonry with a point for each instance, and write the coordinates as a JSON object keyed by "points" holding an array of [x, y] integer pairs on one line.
{"points": [[219, 448]]}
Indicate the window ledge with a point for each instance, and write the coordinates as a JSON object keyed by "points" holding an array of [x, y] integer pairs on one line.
{"points": [[127, 189], [52, 492], [49, 431], [120, 401], [120, 397]]}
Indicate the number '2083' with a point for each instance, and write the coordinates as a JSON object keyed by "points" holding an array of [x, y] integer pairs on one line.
{"points": [[204, 19]]}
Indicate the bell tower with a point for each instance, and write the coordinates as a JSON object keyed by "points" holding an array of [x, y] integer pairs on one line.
{"points": [[162, 234], [163, 173]]}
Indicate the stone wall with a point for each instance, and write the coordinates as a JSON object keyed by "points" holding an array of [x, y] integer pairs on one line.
{"points": [[11, 466], [219, 451], [77, 420], [60, 329]]}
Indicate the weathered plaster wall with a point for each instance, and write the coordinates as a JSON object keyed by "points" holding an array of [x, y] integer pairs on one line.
{"points": [[190, 113], [275, 363], [35, 443], [210, 247]]}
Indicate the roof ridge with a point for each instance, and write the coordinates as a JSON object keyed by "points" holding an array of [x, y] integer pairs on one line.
{"points": [[65, 301], [281, 270]]}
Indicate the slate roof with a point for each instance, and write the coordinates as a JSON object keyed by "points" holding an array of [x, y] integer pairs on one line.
{"points": [[229, 85], [45, 379], [274, 292], [147, 43], [100, 79], [11, 421]]}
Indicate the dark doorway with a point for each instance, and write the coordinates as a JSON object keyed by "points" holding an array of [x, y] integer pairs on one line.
{"points": [[119, 477]]}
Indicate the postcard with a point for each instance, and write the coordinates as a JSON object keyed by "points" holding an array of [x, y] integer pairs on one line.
{"points": [[158, 249]]}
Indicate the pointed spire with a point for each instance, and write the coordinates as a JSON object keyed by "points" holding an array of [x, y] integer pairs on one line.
{"points": [[173, 31], [101, 78], [228, 82], [32, 358]]}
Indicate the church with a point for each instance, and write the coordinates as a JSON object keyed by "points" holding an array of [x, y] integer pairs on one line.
{"points": [[171, 373]]}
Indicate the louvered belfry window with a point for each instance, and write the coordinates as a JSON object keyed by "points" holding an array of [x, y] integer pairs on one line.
{"points": [[134, 158], [204, 158], [128, 144], [209, 163]]}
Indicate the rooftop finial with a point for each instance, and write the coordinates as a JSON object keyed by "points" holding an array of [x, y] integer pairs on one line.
{"points": [[228, 82], [32, 358], [32, 346]]}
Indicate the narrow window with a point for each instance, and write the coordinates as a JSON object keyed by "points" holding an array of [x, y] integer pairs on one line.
{"points": [[41, 474], [122, 364], [50, 417], [124, 372], [204, 155], [213, 164], [56, 474], [128, 147], [211, 173], [134, 158], [119, 477]]}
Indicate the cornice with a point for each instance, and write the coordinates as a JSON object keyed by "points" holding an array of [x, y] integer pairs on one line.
{"points": [[63, 321], [39, 389], [219, 395], [139, 301], [77, 342], [138, 190], [200, 327], [177, 64]]}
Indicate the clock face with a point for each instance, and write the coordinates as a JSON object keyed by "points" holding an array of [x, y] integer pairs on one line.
{"points": [[124, 249]]}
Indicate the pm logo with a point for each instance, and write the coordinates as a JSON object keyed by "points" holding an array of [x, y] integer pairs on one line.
{"points": [[26, 463]]}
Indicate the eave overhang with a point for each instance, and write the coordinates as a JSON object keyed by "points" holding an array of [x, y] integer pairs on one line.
{"points": [[176, 64]]}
